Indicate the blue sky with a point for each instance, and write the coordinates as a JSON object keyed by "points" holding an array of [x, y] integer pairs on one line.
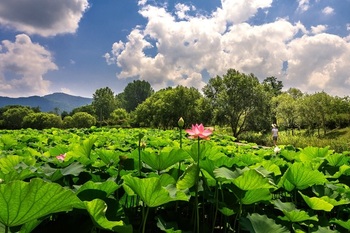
{"points": [[79, 46]]}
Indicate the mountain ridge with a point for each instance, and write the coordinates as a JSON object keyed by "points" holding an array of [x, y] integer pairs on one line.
{"points": [[48, 103]]}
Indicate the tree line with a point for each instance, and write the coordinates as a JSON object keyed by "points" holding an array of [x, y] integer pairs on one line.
{"points": [[235, 100]]}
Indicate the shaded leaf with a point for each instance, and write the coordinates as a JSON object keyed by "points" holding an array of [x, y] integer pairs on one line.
{"points": [[256, 223], [97, 210]]}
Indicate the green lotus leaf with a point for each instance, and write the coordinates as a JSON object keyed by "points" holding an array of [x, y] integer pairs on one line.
{"points": [[151, 191], [334, 202], [164, 159], [298, 216], [290, 155], [343, 170], [261, 224], [344, 224], [269, 166], [256, 195], [82, 151], [97, 210], [108, 156], [309, 154], [316, 203], [336, 160], [8, 141], [29, 226], [291, 213], [226, 211], [103, 189], [8, 163], [188, 178], [251, 180], [21, 202], [225, 174], [302, 176]]}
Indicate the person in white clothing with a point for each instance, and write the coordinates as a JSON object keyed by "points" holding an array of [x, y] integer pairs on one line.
{"points": [[274, 132]]}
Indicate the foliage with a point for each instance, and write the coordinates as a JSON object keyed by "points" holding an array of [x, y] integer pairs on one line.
{"points": [[134, 94], [83, 120], [13, 117], [103, 103], [120, 117], [97, 185], [165, 107], [42, 120], [238, 100]]}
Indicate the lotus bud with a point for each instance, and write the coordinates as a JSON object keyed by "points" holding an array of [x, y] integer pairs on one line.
{"points": [[181, 122]]}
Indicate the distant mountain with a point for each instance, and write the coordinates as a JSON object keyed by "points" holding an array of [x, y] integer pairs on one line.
{"points": [[48, 103]]}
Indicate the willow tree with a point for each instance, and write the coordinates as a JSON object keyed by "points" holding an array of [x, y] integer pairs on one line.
{"points": [[239, 100]]}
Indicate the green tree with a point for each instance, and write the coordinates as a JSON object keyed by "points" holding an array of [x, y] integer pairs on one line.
{"points": [[42, 120], [120, 117], [83, 120], [13, 116], [238, 100], [286, 111], [103, 102], [314, 111], [86, 108], [135, 93], [273, 85], [165, 107]]}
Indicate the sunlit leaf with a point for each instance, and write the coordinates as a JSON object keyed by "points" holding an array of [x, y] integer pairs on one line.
{"points": [[256, 195], [251, 180], [21, 202], [303, 177], [151, 190], [164, 159], [316, 203], [291, 213], [344, 224], [188, 178]]}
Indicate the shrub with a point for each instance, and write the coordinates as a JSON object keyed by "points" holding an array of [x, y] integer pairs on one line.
{"points": [[83, 120]]}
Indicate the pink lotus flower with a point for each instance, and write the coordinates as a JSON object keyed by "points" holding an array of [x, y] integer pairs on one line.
{"points": [[61, 157], [198, 131]]}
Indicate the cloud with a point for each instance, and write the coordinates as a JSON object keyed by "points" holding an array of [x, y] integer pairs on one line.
{"points": [[303, 5], [22, 66], [318, 29], [328, 10], [185, 49], [42, 17]]}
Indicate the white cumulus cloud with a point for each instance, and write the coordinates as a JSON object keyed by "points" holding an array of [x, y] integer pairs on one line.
{"points": [[186, 48], [22, 66], [328, 10], [42, 17]]}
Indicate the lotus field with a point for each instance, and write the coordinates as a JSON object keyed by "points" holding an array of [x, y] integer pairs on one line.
{"points": [[148, 180]]}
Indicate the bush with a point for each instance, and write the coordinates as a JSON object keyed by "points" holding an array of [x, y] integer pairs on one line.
{"points": [[83, 120], [42, 120]]}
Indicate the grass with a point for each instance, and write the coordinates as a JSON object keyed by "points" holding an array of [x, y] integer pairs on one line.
{"points": [[337, 139]]}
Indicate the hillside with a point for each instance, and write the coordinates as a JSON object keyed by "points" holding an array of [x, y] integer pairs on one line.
{"points": [[48, 103]]}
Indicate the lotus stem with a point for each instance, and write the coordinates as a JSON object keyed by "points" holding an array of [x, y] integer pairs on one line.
{"points": [[145, 220], [196, 188]]}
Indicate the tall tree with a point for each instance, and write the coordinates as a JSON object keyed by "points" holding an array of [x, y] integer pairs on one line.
{"points": [[273, 85], [103, 102], [237, 100], [286, 110], [135, 93]]}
